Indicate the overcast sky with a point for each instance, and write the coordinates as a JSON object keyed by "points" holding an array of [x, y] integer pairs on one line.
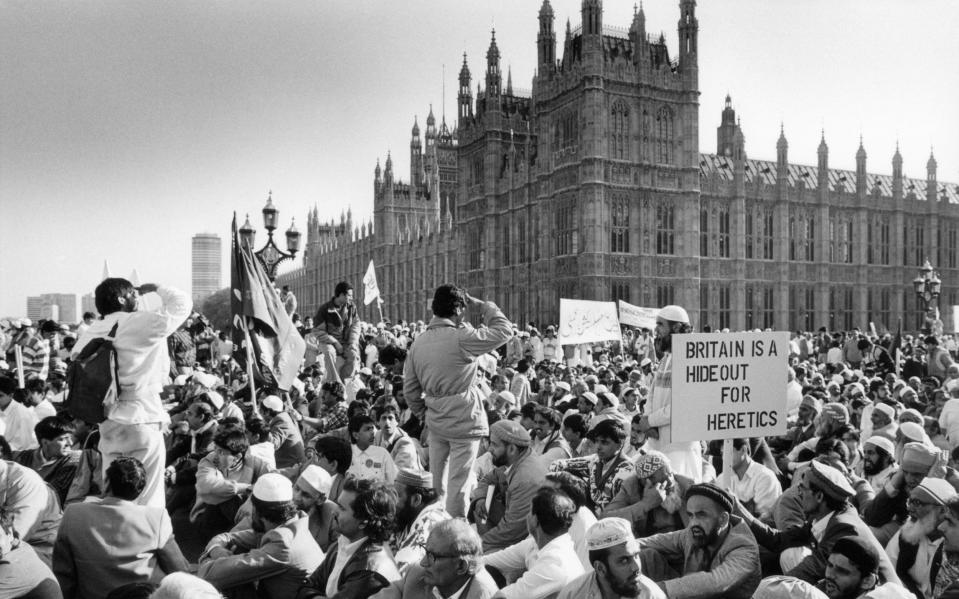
{"points": [[127, 127]]}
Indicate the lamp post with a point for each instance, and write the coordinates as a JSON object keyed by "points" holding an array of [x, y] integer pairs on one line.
{"points": [[928, 286], [270, 255]]}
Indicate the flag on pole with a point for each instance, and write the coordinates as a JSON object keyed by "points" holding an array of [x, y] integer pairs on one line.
{"points": [[895, 348], [270, 346], [371, 290]]}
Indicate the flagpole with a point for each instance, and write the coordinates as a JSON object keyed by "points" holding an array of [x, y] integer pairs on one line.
{"points": [[249, 367], [379, 305]]}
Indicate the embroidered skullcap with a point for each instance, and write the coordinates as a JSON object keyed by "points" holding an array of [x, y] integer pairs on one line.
{"points": [[886, 409], [812, 403], [787, 587], [829, 480], [880, 442], [315, 480], [650, 463], [273, 403], [860, 552], [590, 397], [934, 490], [836, 411], [509, 431], [563, 385], [420, 479], [674, 314], [609, 532], [711, 491], [273, 488], [918, 456]]}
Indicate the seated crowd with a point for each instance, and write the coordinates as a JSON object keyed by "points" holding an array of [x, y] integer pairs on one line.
{"points": [[327, 490]]}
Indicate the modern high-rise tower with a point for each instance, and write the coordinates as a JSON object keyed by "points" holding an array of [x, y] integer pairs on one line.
{"points": [[207, 265]]}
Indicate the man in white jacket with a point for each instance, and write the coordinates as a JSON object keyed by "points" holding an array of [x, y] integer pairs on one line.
{"points": [[136, 420]]}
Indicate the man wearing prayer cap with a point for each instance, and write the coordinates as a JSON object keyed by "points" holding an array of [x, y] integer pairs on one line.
{"points": [[686, 456], [824, 495], [311, 494], [651, 497], [888, 510], [504, 522], [440, 386], [614, 554], [878, 461], [718, 553], [834, 416], [883, 420], [916, 549], [417, 512], [275, 555], [787, 587]]}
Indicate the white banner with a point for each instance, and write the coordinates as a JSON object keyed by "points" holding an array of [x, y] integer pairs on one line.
{"points": [[634, 316], [583, 321], [729, 385], [370, 289], [955, 319]]}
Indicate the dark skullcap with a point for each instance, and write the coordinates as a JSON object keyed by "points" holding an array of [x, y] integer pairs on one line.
{"points": [[711, 491], [860, 552]]}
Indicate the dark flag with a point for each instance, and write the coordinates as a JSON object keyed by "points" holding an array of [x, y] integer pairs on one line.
{"points": [[267, 343], [895, 348]]}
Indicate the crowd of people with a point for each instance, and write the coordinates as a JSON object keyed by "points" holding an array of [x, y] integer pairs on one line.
{"points": [[443, 460]]}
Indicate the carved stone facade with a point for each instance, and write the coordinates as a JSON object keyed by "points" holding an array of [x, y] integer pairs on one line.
{"points": [[592, 186]]}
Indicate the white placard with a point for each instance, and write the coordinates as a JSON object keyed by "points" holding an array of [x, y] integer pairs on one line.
{"points": [[634, 316], [584, 321], [955, 319], [729, 385]]}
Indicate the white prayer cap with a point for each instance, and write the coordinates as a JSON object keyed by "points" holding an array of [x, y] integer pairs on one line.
{"points": [[274, 403], [315, 480], [674, 314], [206, 380], [273, 487], [215, 398], [609, 532]]}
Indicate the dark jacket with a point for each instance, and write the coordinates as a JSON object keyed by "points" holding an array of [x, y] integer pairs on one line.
{"points": [[331, 324], [370, 569], [844, 523]]}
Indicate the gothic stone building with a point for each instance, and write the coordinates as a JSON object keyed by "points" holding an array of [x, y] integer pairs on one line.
{"points": [[592, 186]]}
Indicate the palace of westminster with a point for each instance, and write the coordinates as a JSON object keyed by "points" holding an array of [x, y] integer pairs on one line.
{"points": [[593, 187]]}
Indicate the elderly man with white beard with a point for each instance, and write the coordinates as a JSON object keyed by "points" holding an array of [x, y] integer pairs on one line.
{"points": [[913, 548]]}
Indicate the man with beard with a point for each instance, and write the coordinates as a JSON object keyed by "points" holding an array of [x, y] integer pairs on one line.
{"points": [[717, 551], [824, 495], [310, 495], [685, 457], [886, 512], [451, 568], [275, 556], [851, 569], [913, 550], [417, 512], [617, 573], [516, 477], [878, 463], [546, 560], [834, 416], [604, 471]]}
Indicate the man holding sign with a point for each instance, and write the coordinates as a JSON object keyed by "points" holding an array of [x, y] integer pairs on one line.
{"points": [[684, 457]]}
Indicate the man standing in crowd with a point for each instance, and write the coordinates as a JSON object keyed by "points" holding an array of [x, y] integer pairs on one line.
{"points": [[439, 383], [337, 330], [685, 457], [135, 422]]}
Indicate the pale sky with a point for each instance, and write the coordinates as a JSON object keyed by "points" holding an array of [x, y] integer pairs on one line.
{"points": [[128, 127]]}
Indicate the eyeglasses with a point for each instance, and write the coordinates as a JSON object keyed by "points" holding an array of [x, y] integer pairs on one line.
{"points": [[432, 557]]}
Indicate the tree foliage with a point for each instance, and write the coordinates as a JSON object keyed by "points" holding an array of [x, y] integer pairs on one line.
{"points": [[216, 308]]}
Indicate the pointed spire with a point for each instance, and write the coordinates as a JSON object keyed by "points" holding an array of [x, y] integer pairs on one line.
{"points": [[106, 270], [416, 127], [509, 80], [492, 55], [861, 152], [430, 119], [546, 10], [931, 164]]}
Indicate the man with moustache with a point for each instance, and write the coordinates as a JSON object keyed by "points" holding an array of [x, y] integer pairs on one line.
{"points": [[718, 552], [878, 463], [913, 549], [310, 495], [275, 556], [614, 554], [685, 457], [885, 513], [851, 569], [417, 513]]}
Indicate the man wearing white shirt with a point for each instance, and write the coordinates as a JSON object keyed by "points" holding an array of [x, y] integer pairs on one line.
{"points": [[16, 420], [547, 558], [369, 461], [755, 485], [136, 420]]}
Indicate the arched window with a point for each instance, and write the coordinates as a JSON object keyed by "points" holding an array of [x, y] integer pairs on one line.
{"points": [[664, 136], [619, 132], [646, 133]]}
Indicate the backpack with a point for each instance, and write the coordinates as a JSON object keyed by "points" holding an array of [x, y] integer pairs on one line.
{"points": [[92, 379]]}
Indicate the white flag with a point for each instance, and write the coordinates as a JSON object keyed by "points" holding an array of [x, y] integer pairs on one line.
{"points": [[370, 289]]}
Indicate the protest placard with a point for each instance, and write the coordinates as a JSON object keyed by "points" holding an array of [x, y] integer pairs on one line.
{"points": [[729, 385], [634, 316], [583, 321]]}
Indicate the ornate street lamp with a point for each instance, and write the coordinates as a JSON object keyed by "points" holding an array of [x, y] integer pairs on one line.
{"points": [[270, 255], [928, 286]]}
